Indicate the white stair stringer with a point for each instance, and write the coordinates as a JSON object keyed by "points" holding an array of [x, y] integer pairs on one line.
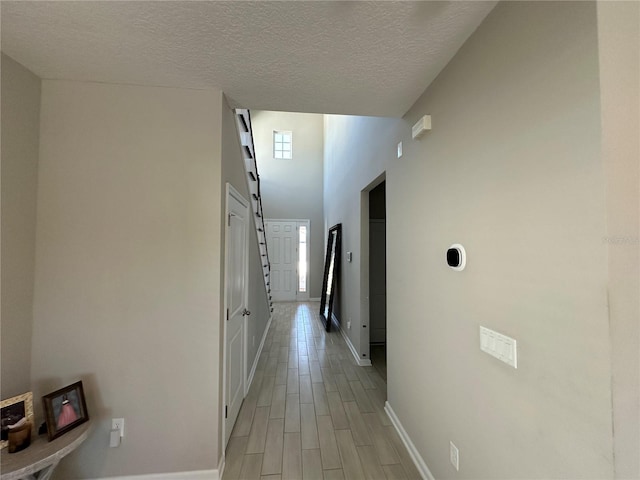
{"points": [[243, 124]]}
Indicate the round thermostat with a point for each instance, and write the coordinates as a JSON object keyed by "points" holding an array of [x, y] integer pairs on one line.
{"points": [[456, 257]]}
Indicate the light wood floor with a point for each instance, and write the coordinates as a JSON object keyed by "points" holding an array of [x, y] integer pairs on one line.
{"points": [[311, 412]]}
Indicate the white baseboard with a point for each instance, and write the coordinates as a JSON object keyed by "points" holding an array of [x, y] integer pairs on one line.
{"points": [[354, 352], [314, 299], [195, 475], [255, 361], [413, 452]]}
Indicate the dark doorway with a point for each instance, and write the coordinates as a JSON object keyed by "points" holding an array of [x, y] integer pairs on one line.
{"points": [[378, 279]]}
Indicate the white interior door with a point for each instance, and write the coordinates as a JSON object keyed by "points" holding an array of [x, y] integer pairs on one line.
{"points": [[236, 303], [282, 243]]}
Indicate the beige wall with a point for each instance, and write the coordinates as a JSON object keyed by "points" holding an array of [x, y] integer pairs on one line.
{"points": [[357, 152], [292, 189], [20, 139], [512, 170], [619, 40], [128, 270]]}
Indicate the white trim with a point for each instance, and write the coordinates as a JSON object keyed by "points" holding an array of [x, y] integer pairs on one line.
{"points": [[365, 261], [194, 475], [286, 220], [221, 465], [361, 362], [314, 299], [423, 470], [255, 362]]}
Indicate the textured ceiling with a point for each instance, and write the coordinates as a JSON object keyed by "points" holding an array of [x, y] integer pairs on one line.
{"points": [[365, 58]]}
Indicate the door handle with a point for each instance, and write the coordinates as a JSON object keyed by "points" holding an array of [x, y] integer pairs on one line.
{"points": [[246, 312]]}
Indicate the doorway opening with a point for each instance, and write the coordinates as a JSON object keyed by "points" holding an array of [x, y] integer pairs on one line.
{"points": [[378, 279]]}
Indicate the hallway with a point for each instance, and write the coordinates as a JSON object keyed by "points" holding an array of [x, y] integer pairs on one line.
{"points": [[311, 413]]}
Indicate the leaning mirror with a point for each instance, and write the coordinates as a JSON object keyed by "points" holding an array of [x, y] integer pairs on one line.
{"points": [[331, 275]]}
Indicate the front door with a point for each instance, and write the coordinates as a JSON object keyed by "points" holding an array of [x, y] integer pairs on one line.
{"points": [[236, 303], [282, 243]]}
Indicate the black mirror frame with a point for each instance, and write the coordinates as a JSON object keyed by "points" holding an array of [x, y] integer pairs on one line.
{"points": [[324, 302]]}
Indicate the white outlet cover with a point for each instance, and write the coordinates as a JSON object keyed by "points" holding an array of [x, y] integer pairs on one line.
{"points": [[118, 424], [399, 149], [114, 438]]}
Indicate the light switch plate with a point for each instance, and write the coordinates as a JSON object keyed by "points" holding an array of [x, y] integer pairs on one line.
{"points": [[499, 346], [399, 149]]}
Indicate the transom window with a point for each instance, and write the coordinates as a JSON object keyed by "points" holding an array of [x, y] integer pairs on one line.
{"points": [[282, 144]]}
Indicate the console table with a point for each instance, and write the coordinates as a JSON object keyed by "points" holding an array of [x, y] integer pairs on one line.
{"points": [[41, 457]]}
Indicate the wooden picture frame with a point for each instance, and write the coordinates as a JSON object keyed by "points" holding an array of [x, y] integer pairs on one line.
{"points": [[331, 275], [10, 411], [65, 409]]}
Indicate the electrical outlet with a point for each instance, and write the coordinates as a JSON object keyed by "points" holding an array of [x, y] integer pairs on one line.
{"points": [[118, 424], [349, 325], [454, 456]]}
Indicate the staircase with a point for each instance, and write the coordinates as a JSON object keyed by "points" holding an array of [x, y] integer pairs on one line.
{"points": [[243, 123]]}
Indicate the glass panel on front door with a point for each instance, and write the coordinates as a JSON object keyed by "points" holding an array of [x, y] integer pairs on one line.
{"points": [[302, 259]]}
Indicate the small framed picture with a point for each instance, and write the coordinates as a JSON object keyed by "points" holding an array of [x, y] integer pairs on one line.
{"points": [[12, 410], [65, 409]]}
